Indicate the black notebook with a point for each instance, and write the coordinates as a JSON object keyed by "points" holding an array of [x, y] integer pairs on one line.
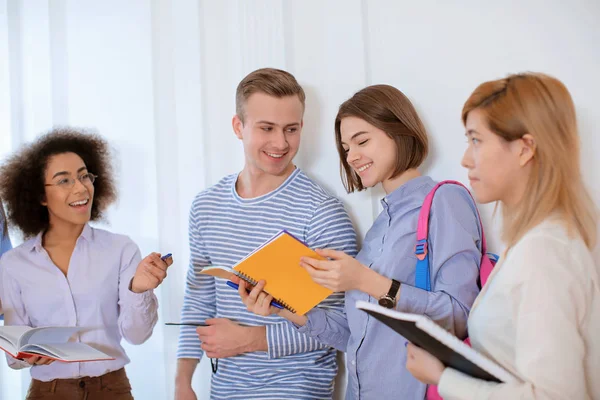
{"points": [[451, 351]]}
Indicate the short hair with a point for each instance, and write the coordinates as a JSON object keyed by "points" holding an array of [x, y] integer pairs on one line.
{"points": [[22, 176], [270, 81], [388, 109]]}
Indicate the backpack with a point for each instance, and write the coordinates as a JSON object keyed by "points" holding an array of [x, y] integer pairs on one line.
{"points": [[422, 273]]}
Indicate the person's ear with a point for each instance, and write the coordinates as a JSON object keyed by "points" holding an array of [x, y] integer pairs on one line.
{"points": [[527, 149], [238, 126]]}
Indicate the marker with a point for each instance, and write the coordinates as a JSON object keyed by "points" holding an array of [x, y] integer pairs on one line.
{"points": [[273, 302], [186, 323], [166, 256]]}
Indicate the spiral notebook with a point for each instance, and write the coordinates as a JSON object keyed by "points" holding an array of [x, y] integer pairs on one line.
{"points": [[452, 352], [277, 261]]}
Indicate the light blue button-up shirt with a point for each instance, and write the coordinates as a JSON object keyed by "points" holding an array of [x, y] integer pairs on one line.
{"points": [[4, 239], [95, 294], [376, 355]]}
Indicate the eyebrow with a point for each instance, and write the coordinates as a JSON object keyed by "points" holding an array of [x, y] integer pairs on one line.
{"points": [[274, 124], [355, 135], [68, 173], [471, 132]]}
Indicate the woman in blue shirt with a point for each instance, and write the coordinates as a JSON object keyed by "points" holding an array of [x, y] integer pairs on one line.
{"points": [[381, 139], [5, 244], [67, 273], [4, 239]]}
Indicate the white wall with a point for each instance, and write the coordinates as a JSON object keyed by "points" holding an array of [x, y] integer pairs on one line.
{"points": [[157, 78]]}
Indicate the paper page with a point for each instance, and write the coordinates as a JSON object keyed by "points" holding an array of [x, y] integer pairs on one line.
{"points": [[71, 352], [218, 271], [8, 347], [43, 335], [11, 334]]}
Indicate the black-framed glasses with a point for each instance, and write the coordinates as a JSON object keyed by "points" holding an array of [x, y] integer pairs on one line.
{"points": [[68, 182]]}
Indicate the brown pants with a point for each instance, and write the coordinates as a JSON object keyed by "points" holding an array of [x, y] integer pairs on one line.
{"points": [[111, 386]]}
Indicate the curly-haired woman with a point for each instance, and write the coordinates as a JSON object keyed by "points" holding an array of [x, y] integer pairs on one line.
{"points": [[70, 274]]}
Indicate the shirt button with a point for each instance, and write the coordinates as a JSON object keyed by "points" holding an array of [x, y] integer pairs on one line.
{"points": [[81, 384], [353, 362]]}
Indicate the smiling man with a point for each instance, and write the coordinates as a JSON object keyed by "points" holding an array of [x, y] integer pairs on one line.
{"points": [[259, 357]]}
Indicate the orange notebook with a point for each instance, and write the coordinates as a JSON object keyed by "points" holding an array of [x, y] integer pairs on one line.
{"points": [[277, 262]]}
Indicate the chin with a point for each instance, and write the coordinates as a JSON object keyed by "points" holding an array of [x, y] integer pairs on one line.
{"points": [[368, 184], [81, 220], [482, 197], [277, 171]]}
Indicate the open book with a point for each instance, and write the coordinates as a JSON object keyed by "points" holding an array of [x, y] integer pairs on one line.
{"points": [[51, 342], [452, 352], [277, 261]]}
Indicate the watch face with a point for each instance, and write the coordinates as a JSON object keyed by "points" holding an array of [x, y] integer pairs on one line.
{"points": [[386, 302]]}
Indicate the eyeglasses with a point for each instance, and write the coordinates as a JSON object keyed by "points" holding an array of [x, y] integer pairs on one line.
{"points": [[68, 183]]}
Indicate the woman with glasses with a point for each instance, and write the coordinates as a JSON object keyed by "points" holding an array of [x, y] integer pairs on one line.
{"points": [[67, 273]]}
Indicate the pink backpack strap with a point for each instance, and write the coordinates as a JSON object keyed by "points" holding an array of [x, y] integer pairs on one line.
{"points": [[422, 273], [423, 224]]}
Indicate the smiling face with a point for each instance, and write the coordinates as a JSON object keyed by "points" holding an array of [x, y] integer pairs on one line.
{"points": [[270, 133], [370, 152], [68, 205]]}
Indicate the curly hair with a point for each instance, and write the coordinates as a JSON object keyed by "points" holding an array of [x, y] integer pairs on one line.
{"points": [[22, 176]]}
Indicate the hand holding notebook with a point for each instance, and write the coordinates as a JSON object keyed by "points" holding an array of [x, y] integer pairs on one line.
{"points": [[423, 332], [277, 262]]}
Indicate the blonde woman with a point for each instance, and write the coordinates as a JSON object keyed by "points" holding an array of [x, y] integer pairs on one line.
{"points": [[539, 313]]}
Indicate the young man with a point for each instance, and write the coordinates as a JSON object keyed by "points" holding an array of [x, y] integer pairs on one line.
{"points": [[259, 357]]}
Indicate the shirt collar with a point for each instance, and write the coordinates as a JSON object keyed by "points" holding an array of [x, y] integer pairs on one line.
{"points": [[87, 233], [405, 190]]}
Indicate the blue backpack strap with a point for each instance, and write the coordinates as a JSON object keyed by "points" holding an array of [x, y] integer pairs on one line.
{"points": [[422, 274], [422, 277]]}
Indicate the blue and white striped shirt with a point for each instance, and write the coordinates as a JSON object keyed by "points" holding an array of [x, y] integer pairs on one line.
{"points": [[223, 229]]}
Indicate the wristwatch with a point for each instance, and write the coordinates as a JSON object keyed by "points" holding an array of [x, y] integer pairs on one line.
{"points": [[389, 300]]}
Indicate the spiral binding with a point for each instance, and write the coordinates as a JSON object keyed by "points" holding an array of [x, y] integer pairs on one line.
{"points": [[254, 282]]}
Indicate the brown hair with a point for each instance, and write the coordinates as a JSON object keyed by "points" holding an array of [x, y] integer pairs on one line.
{"points": [[270, 81], [22, 176], [539, 105], [388, 109]]}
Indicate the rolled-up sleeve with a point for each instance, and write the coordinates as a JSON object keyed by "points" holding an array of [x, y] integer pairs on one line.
{"points": [[138, 311]]}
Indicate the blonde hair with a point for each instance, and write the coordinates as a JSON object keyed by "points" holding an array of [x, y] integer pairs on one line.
{"points": [[388, 109], [270, 81], [540, 105]]}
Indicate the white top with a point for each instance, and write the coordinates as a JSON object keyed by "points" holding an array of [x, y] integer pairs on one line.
{"points": [[539, 317]]}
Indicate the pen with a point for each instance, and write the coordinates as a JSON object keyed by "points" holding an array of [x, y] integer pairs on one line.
{"points": [[273, 303], [214, 363], [166, 256]]}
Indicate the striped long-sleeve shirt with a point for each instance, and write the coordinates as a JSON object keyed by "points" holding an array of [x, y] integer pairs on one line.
{"points": [[223, 229]]}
